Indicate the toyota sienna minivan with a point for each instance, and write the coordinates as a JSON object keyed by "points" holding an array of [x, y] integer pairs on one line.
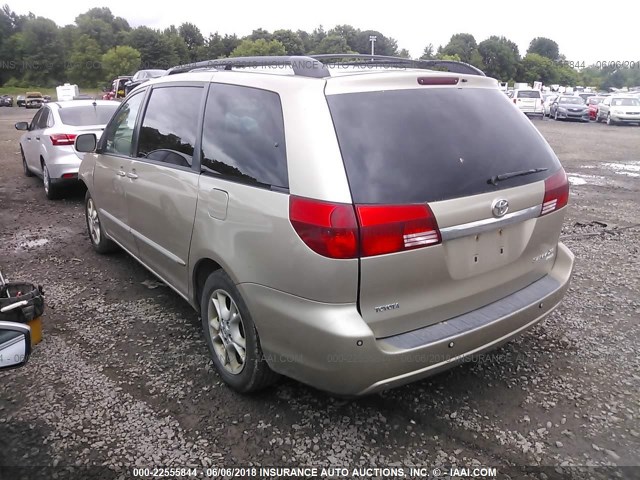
{"points": [[352, 227]]}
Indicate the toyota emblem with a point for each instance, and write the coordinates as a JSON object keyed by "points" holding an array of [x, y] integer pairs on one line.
{"points": [[500, 208]]}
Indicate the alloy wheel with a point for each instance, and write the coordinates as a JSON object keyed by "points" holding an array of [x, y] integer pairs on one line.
{"points": [[227, 331]]}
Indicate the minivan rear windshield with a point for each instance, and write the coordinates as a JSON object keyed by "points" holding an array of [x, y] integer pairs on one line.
{"points": [[432, 144], [528, 94], [88, 114]]}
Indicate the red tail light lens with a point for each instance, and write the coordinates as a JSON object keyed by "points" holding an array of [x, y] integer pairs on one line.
{"points": [[332, 230], [394, 228], [329, 229], [63, 138], [556, 192]]}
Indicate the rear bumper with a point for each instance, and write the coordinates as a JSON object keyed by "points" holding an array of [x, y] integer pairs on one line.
{"points": [[331, 347], [66, 163]]}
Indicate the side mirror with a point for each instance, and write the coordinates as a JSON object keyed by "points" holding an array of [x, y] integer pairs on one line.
{"points": [[86, 142], [22, 126], [15, 345]]}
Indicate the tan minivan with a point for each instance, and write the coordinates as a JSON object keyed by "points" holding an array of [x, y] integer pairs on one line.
{"points": [[354, 228]]}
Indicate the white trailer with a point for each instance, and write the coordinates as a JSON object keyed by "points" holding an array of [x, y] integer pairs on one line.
{"points": [[67, 92]]}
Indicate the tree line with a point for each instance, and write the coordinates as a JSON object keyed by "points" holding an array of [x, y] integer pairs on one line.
{"points": [[35, 51]]}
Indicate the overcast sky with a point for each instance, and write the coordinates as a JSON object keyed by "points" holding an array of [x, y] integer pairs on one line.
{"points": [[414, 24]]}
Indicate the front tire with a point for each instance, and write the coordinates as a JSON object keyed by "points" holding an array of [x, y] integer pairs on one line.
{"points": [[99, 241], [231, 336], [555, 115], [609, 121]]}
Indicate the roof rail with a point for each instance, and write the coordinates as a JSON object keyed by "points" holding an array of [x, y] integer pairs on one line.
{"points": [[400, 62], [302, 65]]}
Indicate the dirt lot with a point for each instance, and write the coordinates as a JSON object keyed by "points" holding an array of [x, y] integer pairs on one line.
{"points": [[123, 379]]}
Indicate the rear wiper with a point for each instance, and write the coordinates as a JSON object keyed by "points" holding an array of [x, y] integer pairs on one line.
{"points": [[498, 178]]}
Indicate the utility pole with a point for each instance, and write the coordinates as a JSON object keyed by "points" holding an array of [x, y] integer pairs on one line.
{"points": [[372, 39]]}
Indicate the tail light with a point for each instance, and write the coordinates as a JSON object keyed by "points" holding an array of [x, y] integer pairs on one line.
{"points": [[556, 192], [394, 228], [333, 230], [438, 80], [329, 229], [60, 139]]}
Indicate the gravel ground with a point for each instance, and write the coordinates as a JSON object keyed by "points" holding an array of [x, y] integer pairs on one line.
{"points": [[122, 377]]}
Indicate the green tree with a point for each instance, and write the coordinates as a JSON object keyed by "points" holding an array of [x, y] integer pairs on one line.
{"points": [[464, 46], [292, 42], [43, 61], [84, 66], [182, 54], [122, 60], [383, 45], [213, 48], [260, 34], [230, 43], [442, 56], [100, 25], [428, 53], [349, 33], [499, 57], [192, 39], [260, 47], [535, 67], [332, 44], [156, 50], [544, 47], [404, 53]]}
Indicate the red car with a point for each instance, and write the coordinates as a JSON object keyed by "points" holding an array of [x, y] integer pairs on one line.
{"points": [[592, 103], [117, 88]]}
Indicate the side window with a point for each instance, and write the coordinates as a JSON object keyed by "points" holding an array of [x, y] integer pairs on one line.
{"points": [[36, 119], [243, 136], [44, 119], [119, 133], [170, 124]]}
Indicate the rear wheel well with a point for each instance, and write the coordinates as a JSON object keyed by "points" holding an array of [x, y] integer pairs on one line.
{"points": [[203, 269]]}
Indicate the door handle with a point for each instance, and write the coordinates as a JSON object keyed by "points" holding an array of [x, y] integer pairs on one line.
{"points": [[132, 176], [121, 173], [37, 138]]}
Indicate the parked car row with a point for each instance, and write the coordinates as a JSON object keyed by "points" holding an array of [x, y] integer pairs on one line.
{"points": [[31, 100], [6, 101], [612, 109]]}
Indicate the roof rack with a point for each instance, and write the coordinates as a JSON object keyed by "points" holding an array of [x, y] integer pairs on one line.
{"points": [[398, 62], [314, 65], [302, 65]]}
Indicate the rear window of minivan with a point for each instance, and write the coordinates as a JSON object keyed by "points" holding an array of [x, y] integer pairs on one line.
{"points": [[528, 94], [432, 144]]}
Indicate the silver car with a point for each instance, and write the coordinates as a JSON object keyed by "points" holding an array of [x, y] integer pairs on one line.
{"points": [[352, 228], [619, 109], [47, 146]]}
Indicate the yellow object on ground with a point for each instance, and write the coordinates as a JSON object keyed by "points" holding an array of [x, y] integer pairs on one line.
{"points": [[36, 330]]}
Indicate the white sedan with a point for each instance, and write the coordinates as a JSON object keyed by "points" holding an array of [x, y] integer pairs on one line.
{"points": [[47, 146]]}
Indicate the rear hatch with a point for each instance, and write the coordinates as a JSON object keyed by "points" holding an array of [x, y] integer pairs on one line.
{"points": [[445, 225], [528, 100]]}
